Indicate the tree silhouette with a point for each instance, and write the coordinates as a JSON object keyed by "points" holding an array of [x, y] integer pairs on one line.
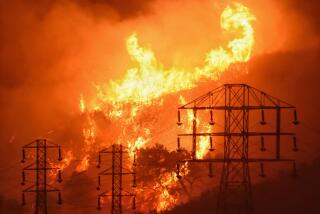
{"points": [[156, 172]]}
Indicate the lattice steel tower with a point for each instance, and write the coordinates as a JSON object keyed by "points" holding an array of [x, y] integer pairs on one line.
{"points": [[116, 171], [237, 101], [41, 167]]}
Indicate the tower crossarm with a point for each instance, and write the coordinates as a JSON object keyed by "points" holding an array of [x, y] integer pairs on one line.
{"points": [[239, 124], [224, 134], [225, 108], [214, 99], [222, 160]]}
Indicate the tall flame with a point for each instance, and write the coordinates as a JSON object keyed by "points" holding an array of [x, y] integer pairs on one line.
{"points": [[150, 80], [123, 101], [203, 145], [82, 105], [237, 18]]}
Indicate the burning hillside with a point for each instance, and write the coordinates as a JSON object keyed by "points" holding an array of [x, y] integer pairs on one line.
{"points": [[89, 73], [129, 106]]}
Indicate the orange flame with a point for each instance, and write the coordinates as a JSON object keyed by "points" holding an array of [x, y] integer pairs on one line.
{"points": [[123, 100], [165, 199], [89, 134], [84, 164], [203, 145], [64, 163], [82, 105], [149, 80]]}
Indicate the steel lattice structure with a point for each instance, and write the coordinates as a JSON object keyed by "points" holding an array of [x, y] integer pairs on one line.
{"points": [[237, 101], [41, 167], [116, 171]]}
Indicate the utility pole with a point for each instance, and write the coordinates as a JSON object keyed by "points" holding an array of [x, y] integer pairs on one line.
{"points": [[117, 171], [238, 102], [41, 167]]}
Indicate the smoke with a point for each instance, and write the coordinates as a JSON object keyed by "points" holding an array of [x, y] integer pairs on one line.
{"points": [[125, 9], [303, 25], [306, 10], [53, 51]]}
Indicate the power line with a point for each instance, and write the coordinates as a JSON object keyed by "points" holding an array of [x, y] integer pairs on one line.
{"points": [[237, 101], [40, 166], [116, 173]]}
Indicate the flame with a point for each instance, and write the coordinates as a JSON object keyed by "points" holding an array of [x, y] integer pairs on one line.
{"points": [[234, 18], [143, 84], [123, 101], [66, 160], [89, 132], [82, 105], [64, 163], [84, 164], [203, 145], [149, 80], [89, 135], [136, 145], [169, 181]]}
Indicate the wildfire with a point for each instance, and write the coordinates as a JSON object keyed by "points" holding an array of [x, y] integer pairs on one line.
{"points": [[204, 142], [136, 145], [82, 105], [166, 200], [234, 18], [64, 163], [68, 157], [123, 101], [84, 164], [150, 80], [89, 134]]}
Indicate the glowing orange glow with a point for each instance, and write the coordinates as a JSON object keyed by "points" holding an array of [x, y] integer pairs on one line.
{"points": [[149, 80], [84, 164], [82, 105], [136, 145], [144, 84], [239, 50], [89, 135], [204, 143], [64, 163], [169, 180], [68, 157]]}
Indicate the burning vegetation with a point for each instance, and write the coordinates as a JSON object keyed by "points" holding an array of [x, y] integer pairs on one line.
{"points": [[125, 112], [137, 107]]}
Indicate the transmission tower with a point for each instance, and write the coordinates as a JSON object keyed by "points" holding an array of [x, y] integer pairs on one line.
{"points": [[116, 171], [238, 102], [41, 165]]}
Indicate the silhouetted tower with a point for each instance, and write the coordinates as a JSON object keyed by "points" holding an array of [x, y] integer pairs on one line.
{"points": [[117, 171], [237, 101], [41, 166]]}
